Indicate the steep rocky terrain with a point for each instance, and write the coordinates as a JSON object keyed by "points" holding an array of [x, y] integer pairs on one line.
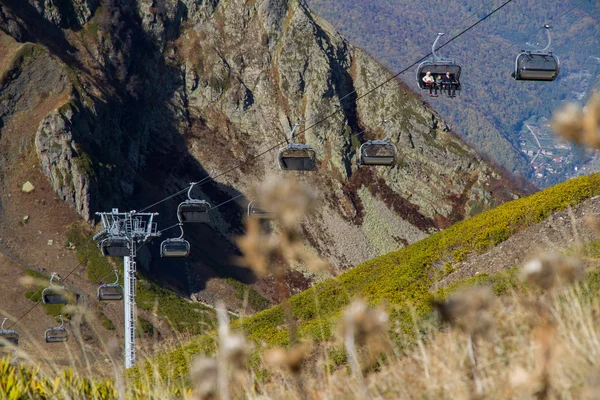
{"points": [[122, 103]]}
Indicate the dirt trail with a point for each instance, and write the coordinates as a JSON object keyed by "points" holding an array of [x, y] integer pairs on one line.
{"points": [[558, 232]]}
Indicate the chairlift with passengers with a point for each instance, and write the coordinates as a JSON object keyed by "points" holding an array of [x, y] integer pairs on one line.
{"points": [[8, 335], [55, 294], [175, 247], [258, 213], [439, 66], [296, 156], [111, 291], [115, 246], [193, 210], [57, 334], [378, 152], [537, 65]]}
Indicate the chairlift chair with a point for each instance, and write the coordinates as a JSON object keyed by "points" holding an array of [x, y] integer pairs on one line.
{"points": [[54, 294], [8, 335], [378, 152], [439, 66], [259, 213], [296, 156], [111, 291], [537, 65], [193, 210], [175, 247], [115, 246], [57, 334]]}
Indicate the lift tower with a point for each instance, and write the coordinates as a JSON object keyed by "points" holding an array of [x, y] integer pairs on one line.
{"points": [[120, 236]]}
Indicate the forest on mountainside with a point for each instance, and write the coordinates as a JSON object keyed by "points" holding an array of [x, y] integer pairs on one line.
{"points": [[491, 109]]}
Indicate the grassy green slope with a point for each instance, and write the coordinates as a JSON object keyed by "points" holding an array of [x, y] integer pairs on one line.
{"points": [[401, 279]]}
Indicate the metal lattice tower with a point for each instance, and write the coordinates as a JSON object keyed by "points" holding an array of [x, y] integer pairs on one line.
{"points": [[137, 228]]}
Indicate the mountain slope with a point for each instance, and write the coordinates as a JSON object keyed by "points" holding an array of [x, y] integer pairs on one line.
{"points": [[161, 95], [492, 109], [404, 279]]}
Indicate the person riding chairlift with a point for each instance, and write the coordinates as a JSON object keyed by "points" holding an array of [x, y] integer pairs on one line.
{"points": [[430, 82], [448, 85]]}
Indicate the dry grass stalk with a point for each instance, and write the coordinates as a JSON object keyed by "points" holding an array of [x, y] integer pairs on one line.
{"points": [[270, 252], [204, 372], [363, 326], [273, 252], [580, 124], [210, 376], [552, 270], [292, 361], [470, 311]]}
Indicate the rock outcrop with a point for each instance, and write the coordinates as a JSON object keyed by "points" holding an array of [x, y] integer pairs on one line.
{"points": [[167, 92]]}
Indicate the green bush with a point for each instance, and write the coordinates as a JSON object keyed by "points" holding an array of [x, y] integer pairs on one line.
{"points": [[35, 295], [98, 268], [106, 322], [143, 328], [255, 300], [24, 382], [182, 315]]}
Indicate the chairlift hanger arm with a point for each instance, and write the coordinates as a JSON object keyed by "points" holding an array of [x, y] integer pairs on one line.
{"points": [[291, 139], [435, 56], [547, 28]]}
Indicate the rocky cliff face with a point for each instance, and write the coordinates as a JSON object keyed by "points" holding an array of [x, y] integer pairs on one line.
{"points": [[160, 93]]}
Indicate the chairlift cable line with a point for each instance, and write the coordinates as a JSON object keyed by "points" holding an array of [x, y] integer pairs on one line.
{"points": [[241, 194], [170, 227], [532, 31], [413, 53], [202, 181], [449, 34], [239, 165], [303, 131]]}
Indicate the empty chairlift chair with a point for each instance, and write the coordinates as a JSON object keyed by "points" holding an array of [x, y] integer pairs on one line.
{"points": [[175, 247], [115, 246], [57, 334], [378, 152], [111, 291], [537, 65], [295, 156], [8, 335], [55, 294], [439, 66], [193, 210], [259, 213]]}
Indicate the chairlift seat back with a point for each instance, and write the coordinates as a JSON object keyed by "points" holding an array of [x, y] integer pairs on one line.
{"points": [[10, 336], [194, 211], [175, 248], [378, 152], [115, 247], [55, 295], [110, 292], [439, 68], [536, 67], [56, 335], [297, 157]]}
